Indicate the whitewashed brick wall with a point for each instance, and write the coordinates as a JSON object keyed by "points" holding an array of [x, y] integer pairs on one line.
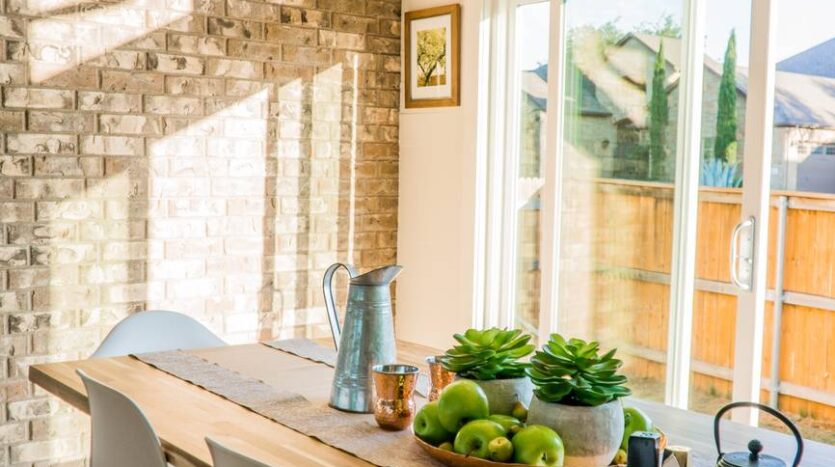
{"points": [[205, 156]]}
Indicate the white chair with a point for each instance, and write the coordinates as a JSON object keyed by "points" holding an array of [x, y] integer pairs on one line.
{"points": [[222, 456], [156, 330], [121, 434]]}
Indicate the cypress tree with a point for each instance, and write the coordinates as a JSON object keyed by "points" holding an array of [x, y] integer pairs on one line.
{"points": [[725, 147], [659, 116]]}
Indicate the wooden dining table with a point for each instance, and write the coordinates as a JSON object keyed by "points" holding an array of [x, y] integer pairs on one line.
{"points": [[184, 414]]}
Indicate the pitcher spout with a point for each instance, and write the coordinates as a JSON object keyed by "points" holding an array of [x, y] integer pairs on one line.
{"points": [[380, 276]]}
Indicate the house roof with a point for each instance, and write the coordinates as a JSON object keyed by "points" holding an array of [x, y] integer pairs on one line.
{"points": [[804, 83], [535, 85], [815, 61]]}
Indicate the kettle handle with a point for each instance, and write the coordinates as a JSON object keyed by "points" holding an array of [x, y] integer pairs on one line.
{"points": [[327, 288], [765, 408]]}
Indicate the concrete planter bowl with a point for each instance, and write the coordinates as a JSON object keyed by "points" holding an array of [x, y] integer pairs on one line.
{"points": [[502, 394], [591, 435]]}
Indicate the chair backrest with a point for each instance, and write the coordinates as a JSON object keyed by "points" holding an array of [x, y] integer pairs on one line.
{"points": [[222, 456], [156, 330], [121, 434]]}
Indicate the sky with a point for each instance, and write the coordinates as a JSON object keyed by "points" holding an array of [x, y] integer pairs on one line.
{"points": [[800, 23]]}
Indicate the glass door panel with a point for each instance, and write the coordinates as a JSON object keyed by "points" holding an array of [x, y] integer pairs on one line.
{"points": [[616, 179], [722, 153], [799, 330], [531, 57]]}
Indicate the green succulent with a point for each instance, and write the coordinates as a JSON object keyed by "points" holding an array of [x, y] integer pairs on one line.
{"points": [[572, 372], [489, 354]]}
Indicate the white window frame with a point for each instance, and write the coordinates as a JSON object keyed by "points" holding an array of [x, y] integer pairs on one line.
{"points": [[503, 138]]}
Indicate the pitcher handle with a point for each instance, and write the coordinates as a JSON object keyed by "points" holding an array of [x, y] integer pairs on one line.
{"points": [[798, 439], [333, 316]]}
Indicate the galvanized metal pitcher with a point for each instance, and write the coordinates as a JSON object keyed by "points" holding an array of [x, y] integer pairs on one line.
{"points": [[367, 337]]}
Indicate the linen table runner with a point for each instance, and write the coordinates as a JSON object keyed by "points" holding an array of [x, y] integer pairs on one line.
{"points": [[357, 434]]}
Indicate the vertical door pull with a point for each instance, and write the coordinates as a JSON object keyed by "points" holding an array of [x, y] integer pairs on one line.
{"points": [[742, 255]]}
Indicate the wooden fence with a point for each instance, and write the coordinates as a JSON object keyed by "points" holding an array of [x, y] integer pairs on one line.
{"points": [[632, 244]]}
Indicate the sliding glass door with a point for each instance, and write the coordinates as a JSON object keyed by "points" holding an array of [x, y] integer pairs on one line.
{"points": [[651, 194]]}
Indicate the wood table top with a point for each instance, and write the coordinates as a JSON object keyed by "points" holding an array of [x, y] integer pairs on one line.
{"points": [[200, 413]]}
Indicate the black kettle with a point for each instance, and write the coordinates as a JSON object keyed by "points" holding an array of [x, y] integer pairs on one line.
{"points": [[753, 458]]}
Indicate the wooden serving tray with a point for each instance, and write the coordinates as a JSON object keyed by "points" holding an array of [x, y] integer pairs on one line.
{"points": [[453, 459]]}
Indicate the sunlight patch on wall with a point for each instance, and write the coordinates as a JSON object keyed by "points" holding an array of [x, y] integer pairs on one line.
{"points": [[208, 179], [81, 33]]}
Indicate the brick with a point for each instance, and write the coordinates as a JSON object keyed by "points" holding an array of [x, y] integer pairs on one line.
{"points": [[12, 73], [127, 81], [109, 102], [118, 59], [235, 28], [341, 40], [60, 76], [39, 234], [345, 6], [49, 188], [165, 105], [33, 143], [16, 212], [66, 122], [254, 50], [190, 288], [34, 98], [383, 45], [51, 166], [130, 124], [43, 450], [306, 55], [13, 256], [43, 277], [12, 27], [11, 120], [202, 45], [234, 68], [112, 145], [180, 64], [68, 210], [257, 11], [183, 85], [63, 254], [284, 34], [355, 24], [15, 166], [305, 17]]}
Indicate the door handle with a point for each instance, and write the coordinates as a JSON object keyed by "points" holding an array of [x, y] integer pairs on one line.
{"points": [[747, 259]]}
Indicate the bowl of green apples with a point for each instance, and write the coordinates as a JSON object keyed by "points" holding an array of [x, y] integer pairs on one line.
{"points": [[458, 430]]}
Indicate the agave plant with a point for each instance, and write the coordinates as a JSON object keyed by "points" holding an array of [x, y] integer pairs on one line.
{"points": [[573, 373], [718, 173], [489, 354]]}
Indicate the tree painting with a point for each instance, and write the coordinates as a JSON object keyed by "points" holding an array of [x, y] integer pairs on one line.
{"points": [[431, 57], [725, 147], [659, 117]]}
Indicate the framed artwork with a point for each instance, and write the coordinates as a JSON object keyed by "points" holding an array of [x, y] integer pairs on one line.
{"points": [[433, 52]]}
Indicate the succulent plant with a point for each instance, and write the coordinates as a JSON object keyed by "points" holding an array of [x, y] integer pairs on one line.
{"points": [[573, 373], [489, 354]]}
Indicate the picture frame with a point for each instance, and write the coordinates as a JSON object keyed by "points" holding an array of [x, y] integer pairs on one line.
{"points": [[432, 57]]}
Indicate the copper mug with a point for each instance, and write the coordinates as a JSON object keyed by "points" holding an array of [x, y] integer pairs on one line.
{"points": [[394, 404], [440, 376]]}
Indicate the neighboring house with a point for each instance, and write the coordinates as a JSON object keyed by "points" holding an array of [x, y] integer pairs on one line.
{"points": [[613, 88]]}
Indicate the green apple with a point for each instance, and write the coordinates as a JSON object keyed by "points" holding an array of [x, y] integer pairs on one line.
{"points": [[510, 424], [538, 445], [461, 402], [474, 438], [446, 446], [634, 419], [427, 426], [500, 449], [520, 411], [620, 457]]}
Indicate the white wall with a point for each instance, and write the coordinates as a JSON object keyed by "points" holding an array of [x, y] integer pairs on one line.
{"points": [[437, 202]]}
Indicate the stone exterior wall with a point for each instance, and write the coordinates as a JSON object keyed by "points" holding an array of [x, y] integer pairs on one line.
{"points": [[206, 156]]}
